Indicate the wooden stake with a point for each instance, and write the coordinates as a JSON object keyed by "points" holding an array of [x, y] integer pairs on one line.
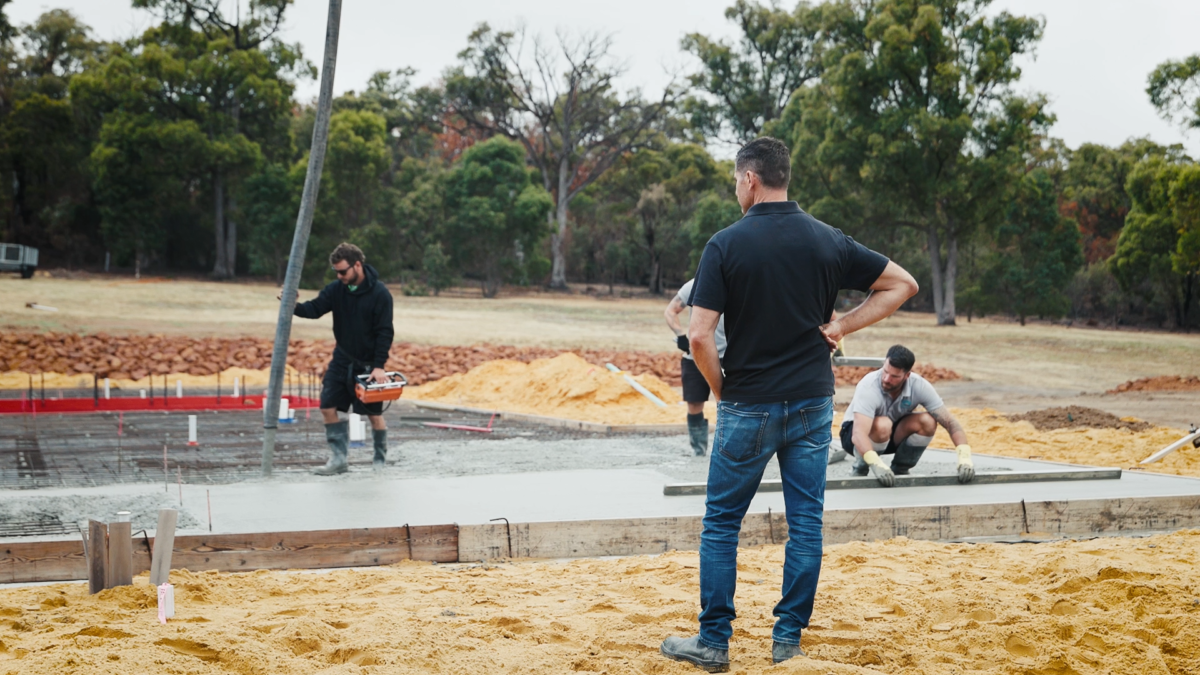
{"points": [[120, 554], [97, 556], [164, 544]]}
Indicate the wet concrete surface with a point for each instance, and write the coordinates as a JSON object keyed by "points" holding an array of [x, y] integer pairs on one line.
{"points": [[366, 499]]}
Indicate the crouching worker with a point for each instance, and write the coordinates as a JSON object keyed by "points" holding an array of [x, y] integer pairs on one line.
{"points": [[882, 419], [362, 328]]}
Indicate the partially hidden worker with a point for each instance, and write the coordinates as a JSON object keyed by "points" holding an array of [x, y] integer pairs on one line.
{"points": [[695, 388], [362, 328], [883, 420]]}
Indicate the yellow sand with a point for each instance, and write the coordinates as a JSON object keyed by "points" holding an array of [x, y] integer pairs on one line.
{"points": [[991, 433], [1109, 606], [248, 380], [565, 386]]}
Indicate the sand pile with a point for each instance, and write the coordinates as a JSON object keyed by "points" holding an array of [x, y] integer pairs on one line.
{"points": [[1115, 606], [565, 386], [993, 433], [1160, 383]]}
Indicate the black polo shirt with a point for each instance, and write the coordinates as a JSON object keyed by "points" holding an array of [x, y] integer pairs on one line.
{"points": [[775, 275]]}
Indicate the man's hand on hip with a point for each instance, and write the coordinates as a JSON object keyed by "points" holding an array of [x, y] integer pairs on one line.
{"points": [[833, 333], [379, 375]]}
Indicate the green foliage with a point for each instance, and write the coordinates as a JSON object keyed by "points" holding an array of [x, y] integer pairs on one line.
{"points": [[1037, 253], [1174, 90], [439, 273], [714, 213], [746, 85], [914, 123], [1156, 252], [495, 214], [271, 199]]}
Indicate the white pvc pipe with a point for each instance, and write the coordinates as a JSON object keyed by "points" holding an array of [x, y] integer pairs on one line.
{"points": [[192, 430], [178, 388], [236, 383], [1171, 448], [637, 387], [106, 389]]}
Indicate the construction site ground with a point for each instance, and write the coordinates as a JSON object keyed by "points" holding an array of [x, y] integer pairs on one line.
{"points": [[1122, 606]]}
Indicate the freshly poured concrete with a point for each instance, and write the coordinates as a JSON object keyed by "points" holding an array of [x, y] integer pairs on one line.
{"points": [[363, 500]]}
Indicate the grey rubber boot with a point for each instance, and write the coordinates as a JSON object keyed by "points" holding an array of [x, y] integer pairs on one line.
{"points": [[907, 456], [696, 653], [338, 435], [781, 652], [698, 431], [380, 436]]}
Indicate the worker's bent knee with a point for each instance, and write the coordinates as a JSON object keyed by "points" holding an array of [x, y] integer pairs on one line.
{"points": [[330, 415], [926, 425], [881, 430], [377, 422], [695, 408]]}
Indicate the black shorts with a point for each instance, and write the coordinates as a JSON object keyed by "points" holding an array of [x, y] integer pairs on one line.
{"points": [[695, 387], [847, 434], [337, 388]]}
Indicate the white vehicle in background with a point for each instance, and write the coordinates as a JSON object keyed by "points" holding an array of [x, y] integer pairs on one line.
{"points": [[17, 258]]}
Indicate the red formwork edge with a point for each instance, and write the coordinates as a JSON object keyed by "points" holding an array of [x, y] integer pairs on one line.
{"points": [[129, 404]]}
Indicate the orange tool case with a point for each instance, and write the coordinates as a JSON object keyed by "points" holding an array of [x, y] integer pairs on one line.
{"points": [[374, 392]]}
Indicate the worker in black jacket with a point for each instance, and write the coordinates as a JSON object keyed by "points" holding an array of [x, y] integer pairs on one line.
{"points": [[362, 328]]}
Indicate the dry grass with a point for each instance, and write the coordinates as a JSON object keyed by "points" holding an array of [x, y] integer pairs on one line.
{"points": [[988, 351]]}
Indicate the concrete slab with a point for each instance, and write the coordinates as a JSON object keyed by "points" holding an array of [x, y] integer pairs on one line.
{"points": [[567, 496]]}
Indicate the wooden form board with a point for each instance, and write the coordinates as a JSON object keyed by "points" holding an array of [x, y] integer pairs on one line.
{"points": [[638, 536], [63, 560], [870, 483]]}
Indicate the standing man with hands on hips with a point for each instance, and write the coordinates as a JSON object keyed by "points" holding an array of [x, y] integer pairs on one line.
{"points": [[775, 275], [362, 328]]}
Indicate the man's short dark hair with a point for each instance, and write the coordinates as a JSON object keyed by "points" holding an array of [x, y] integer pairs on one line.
{"points": [[348, 252], [769, 158], [901, 357]]}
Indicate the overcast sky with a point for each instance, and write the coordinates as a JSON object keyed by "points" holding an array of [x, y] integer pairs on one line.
{"points": [[1092, 63]]}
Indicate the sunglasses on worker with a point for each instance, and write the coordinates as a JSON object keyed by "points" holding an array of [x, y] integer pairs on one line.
{"points": [[342, 272]]}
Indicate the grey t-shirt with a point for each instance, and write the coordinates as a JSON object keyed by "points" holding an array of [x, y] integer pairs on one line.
{"points": [[682, 296], [870, 399]]}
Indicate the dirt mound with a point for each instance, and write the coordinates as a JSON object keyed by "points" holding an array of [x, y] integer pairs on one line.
{"points": [[853, 374], [565, 386], [1078, 416], [1160, 383]]}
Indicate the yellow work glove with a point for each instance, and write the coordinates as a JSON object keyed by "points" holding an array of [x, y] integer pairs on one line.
{"points": [[882, 472], [841, 348], [966, 468]]}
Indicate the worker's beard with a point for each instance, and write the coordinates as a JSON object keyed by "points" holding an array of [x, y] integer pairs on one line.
{"points": [[356, 280]]}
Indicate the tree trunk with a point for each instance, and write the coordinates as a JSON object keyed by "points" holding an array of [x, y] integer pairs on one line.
{"points": [[220, 268], [558, 266], [231, 239], [945, 275], [655, 285]]}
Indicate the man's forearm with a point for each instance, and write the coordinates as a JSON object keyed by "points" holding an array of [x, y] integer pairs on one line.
{"points": [[878, 306], [704, 351]]}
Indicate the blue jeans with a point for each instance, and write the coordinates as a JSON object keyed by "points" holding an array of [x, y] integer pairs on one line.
{"points": [[748, 435]]}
